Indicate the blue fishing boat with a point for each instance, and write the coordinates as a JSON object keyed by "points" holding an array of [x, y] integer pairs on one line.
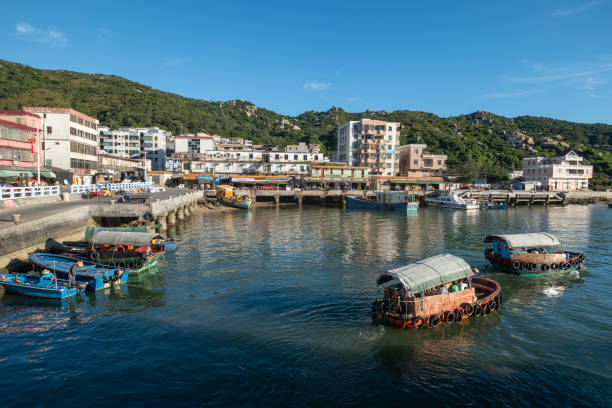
{"points": [[531, 254], [96, 276], [45, 286], [385, 200]]}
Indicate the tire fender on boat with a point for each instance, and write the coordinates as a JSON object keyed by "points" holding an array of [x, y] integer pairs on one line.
{"points": [[516, 265], [493, 305], [94, 256], [449, 317], [486, 309], [468, 309], [533, 266], [525, 265], [545, 267], [458, 315], [477, 310], [418, 322], [434, 320]]}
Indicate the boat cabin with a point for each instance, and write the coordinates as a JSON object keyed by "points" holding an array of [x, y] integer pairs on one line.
{"points": [[395, 197], [116, 241], [536, 248], [428, 287], [224, 191]]}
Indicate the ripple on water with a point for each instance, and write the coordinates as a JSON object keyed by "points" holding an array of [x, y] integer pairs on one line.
{"points": [[274, 306]]}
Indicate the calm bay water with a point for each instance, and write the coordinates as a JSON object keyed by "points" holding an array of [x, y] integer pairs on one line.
{"points": [[272, 307]]}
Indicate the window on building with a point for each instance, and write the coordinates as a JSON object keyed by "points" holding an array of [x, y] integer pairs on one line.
{"points": [[439, 162], [305, 157], [250, 155], [295, 157], [276, 156], [416, 151], [416, 161], [316, 157], [286, 157], [49, 130]]}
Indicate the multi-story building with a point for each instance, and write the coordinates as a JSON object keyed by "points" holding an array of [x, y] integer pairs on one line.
{"points": [[20, 136], [70, 140], [371, 143], [189, 143], [568, 171], [19, 145], [416, 161]]}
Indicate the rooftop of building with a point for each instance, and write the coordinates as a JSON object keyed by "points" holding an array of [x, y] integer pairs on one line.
{"points": [[47, 109], [17, 125], [18, 112]]}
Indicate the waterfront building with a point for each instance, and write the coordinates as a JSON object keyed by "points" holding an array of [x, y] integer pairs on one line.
{"points": [[371, 143], [565, 172], [19, 139], [70, 141], [337, 175], [416, 161], [19, 146], [115, 168]]}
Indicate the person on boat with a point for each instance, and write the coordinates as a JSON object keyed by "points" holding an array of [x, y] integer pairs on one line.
{"points": [[73, 272]]}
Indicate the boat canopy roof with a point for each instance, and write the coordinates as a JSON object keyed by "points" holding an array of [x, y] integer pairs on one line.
{"points": [[124, 238], [538, 239], [225, 187], [427, 273]]}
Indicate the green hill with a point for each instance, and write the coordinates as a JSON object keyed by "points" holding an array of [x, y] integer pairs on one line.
{"points": [[474, 143]]}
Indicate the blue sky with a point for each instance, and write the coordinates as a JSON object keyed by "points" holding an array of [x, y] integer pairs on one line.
{"points": [[545, 58]]}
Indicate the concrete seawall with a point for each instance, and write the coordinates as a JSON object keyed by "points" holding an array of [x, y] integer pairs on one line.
{"points": [[35, 232], [65, 220]]}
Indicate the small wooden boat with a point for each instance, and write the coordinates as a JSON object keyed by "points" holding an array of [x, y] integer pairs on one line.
{"points": [[489, 205], [45, 286], [227, 195], [91, 231], [96, 276], [530, 254], [436, 290], [137, 251], [385, 200]]}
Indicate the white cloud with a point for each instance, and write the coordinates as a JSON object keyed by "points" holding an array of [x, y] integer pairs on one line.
{"points": [[24, 28], [575, 10], [316, 86], [27, 32]]}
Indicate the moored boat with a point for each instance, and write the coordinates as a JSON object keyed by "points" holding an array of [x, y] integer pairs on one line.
{"points": [[452, 200], [436, 290], [45, 286], [137, 251], [385, 200], [531, 254], [227, 195], [96, 276]]}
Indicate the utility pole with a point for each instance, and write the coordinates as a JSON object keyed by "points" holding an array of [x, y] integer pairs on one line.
{"points": [[38, 153]]}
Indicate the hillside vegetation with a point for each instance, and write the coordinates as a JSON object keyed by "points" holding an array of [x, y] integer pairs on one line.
{"points": [[475, 143]]}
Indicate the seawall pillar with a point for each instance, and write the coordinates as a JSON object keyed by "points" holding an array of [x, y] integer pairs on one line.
{"points": [[180, 213], [276, 200], [161, 219], [172, 217]]}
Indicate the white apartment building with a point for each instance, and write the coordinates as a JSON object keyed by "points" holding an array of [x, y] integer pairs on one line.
{"points": [[568, 171], [370, 143], [70, 139], [194, 143]]}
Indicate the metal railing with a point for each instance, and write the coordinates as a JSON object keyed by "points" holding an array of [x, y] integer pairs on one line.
{"points": [[28, 192], [84, 188]]}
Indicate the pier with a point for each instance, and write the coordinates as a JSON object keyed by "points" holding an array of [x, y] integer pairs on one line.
{"points": [[29, 225]]}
